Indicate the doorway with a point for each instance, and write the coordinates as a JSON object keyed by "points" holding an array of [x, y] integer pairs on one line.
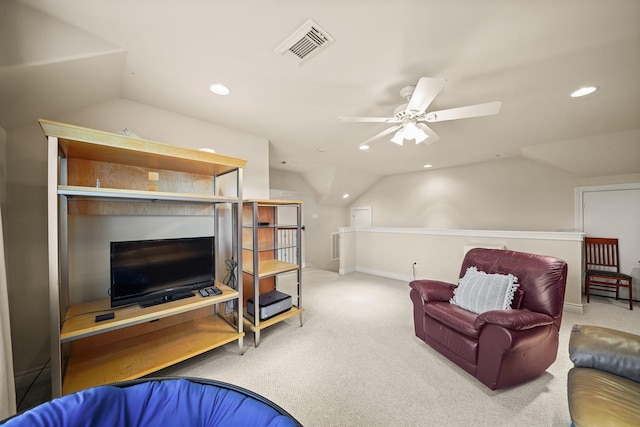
{"points": [[614, 211], [361, 216]]}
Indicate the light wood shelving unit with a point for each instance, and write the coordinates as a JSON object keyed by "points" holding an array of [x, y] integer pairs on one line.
{"points": [[272, 248], [137, 341]]}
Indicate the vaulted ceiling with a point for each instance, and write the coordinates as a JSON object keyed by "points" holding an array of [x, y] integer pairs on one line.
{"points": [[530, 55]]}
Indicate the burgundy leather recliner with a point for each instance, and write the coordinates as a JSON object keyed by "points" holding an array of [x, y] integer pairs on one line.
{"points": [[501, 348]]}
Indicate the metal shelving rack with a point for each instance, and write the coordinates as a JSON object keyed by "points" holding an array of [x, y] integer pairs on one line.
{"points": [[271, 249]]}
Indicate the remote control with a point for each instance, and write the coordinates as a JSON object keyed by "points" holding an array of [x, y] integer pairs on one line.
{"points": [[214, 290], [106, 316], [203, 292]]}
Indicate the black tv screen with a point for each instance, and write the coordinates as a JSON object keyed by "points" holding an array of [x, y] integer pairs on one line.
{"points": [[150, 272]]}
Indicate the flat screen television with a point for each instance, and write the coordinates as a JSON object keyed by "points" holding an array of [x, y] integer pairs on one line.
{"points": [[149, 272]]}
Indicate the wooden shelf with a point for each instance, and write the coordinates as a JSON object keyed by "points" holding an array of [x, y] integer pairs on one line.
{"points": [[269, 246], [268, 267], [117, 194], [90, 144], [78, 325], [248, 320], [273, 202], [141, 355], [278, 226]]}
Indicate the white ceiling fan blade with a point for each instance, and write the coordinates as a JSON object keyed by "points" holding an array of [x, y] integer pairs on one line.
{"points": [[383, 133], [425, 92], [478, 110], [432, 136], [369, 119]]}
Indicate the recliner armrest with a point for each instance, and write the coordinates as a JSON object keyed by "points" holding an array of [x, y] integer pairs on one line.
{"points": [[605, 349], [517, 320], [433, 290]]}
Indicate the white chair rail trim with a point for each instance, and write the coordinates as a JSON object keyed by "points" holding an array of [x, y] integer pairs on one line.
{"points": [[543, 235]]}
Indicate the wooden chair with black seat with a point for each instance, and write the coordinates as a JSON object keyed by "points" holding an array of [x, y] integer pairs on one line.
{"points": [[602, 268]]}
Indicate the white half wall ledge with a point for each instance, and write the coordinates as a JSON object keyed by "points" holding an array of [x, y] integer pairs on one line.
{"points": [[513, 234], [406, 254]]}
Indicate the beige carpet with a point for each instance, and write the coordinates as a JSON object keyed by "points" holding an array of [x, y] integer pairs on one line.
{"points": [[356, 362]]}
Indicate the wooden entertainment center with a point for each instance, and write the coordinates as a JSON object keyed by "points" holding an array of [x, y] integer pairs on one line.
{"points": [[92, 172]]}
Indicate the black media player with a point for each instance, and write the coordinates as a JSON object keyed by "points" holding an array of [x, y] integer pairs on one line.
{"points": [[271, 304]]}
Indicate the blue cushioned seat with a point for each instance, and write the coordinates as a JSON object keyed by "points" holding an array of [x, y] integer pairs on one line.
{"points": [[155, 402]]}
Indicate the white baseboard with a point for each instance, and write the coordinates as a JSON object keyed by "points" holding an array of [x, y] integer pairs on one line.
{"points": [[345, 271], [573, 308], [395, 276]]}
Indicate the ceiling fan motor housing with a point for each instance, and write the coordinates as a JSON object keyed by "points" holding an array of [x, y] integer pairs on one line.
{"points": [[407, 91]]}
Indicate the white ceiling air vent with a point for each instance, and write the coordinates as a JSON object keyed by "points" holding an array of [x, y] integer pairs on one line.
{"points": [[306, 42]]}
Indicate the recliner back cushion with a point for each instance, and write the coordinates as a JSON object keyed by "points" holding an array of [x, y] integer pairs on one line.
{"points": [[541, 278]]}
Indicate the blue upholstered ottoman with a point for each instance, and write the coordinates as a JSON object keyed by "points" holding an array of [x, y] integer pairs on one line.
{"points": [[158, 402]]}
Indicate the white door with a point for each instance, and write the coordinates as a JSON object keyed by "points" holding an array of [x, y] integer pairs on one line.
{"points": [[361, 217], [616, 213]]}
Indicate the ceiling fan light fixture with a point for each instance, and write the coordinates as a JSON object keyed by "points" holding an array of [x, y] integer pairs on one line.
{"points": [[420, 136], [410, 130], [398, 138]]}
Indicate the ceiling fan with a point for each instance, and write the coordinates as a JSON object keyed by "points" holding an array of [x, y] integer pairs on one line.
{"points": [[409, 119]]}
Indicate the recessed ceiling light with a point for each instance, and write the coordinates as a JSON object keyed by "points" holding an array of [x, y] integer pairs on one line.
{"points": [[427, 166], [364, 147], [219, 89], [208, 150], [586, 90], [321, 150], [345, 196]]}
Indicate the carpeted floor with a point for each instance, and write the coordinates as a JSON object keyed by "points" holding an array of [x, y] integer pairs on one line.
{"points": [[356, 362]]}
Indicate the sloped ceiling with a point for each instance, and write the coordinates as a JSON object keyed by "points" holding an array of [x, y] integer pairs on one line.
{"points": [[62, 55], [48, 66], [590, 156]]}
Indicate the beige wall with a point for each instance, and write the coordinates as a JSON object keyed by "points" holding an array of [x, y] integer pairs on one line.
{"points": [[438, 254], [508, 194], [163, 126], [319, 220], [3, 166], [27, 211], [429, 216]]}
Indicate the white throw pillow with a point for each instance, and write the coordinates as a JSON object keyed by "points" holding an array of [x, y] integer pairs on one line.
{"points": [[478, 291]]}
